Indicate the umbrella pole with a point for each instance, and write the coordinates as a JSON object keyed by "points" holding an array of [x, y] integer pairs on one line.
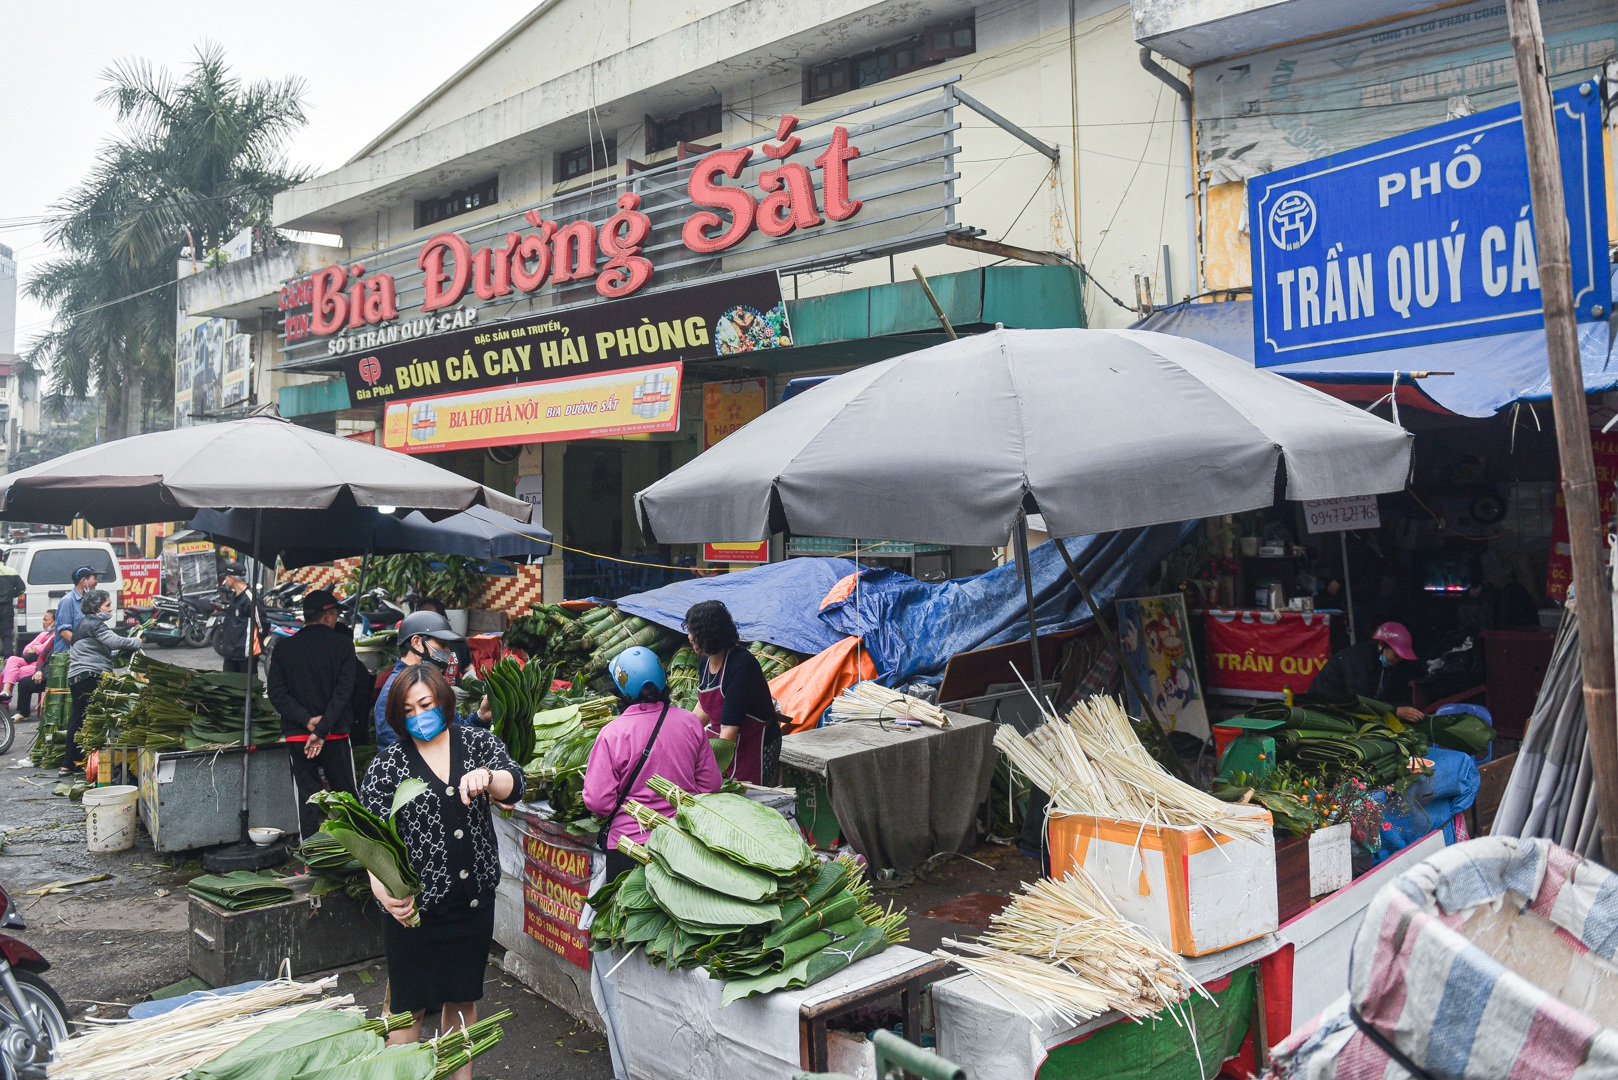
{"points": [[247, 695], [1167, 758], [359, 588], [1021, 540]]}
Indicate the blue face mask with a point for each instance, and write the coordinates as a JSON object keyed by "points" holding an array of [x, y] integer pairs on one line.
{"points": [[427, 725]]}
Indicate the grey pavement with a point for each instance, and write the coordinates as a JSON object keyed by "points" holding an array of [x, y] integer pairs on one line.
{"points": [[113, 942]]}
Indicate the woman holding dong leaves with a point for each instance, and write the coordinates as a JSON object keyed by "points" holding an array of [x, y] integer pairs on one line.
{"points": [[439, 963]]}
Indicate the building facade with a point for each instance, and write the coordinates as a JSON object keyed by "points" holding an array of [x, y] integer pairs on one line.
{"points": [[1019, 154]]}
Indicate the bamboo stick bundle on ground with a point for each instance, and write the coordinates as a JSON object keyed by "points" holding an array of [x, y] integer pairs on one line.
{"points": [[169, 1045], [873, 701], [1062, 944], [1091, 762]]}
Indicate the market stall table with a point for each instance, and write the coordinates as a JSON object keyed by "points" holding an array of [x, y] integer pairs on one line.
{"points": [[668, 1025], [901, 794], [190, 798]]}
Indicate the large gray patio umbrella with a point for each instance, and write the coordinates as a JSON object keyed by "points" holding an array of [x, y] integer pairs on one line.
{"points": [[260, 463], [1095, 429]]}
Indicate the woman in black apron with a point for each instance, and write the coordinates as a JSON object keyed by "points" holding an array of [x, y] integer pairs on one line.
{"points": [[733, 697]]}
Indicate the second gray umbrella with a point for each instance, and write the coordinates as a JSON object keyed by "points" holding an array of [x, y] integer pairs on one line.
{"points": [[1096, 429]]}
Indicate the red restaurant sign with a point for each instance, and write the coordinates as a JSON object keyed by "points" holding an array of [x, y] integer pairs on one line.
{"points": [[789, 196]]}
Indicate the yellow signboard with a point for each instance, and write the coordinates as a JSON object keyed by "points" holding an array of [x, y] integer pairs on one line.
{"points": [[584, 407], [729, 406]]}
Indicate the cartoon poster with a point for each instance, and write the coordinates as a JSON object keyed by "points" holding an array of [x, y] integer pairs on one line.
{"points": [[1156, 639]]}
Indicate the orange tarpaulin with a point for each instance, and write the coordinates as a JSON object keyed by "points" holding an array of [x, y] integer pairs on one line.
{"points": [[808, 689]]}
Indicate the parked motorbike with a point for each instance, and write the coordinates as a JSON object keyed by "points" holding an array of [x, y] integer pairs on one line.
{"points": [[180, 621], [33, 1018]]}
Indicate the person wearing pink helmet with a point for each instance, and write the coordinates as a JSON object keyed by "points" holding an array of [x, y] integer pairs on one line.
{"points": [[1375, 668]]}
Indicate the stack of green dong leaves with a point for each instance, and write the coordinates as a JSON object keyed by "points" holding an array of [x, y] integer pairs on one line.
{"points": [[168, 707], [372, 841], [331, 1044], [240, 890], [333, 868], [564, 738], [730, 885]]}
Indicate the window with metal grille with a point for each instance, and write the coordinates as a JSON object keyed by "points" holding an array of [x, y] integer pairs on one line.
{"points": [[461, 201], [932, 46], [689, 126], [586, 159]]}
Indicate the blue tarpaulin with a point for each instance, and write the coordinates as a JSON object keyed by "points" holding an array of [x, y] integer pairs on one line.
{"points": [[778, 603], [912, 628], [1489, 372]]}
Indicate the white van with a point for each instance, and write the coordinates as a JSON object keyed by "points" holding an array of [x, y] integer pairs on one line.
{"points": [[47, 566]]}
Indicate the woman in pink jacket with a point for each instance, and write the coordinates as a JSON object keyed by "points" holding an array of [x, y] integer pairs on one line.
{"points": [[649, 738], [19, 671]]}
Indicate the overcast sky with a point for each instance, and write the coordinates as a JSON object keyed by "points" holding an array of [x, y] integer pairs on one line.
{"points": [[350, 55]]}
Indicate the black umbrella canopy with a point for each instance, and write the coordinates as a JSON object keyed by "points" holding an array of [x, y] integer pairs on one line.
{"points": [[302, 538], [260, 463], [1098, 430]]}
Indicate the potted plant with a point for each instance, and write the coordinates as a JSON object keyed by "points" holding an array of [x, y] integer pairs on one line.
{"points": [[453, 580]]}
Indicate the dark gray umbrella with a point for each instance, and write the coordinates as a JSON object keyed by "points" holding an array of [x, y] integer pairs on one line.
{"points": [[259, 463], [1097, 430], [302, 538]]}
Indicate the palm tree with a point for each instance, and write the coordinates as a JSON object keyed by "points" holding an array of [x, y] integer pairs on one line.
{"points": [[199, 158]]}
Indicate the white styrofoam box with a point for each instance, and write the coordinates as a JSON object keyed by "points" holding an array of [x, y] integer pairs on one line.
{"points": [[1197, 892], [1331, 859]]}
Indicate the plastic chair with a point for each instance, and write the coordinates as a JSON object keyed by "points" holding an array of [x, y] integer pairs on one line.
{"points": [[1478, 711]]}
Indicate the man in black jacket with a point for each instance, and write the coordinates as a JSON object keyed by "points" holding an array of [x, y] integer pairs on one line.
{"points": [[312, 684], [236, 622]]}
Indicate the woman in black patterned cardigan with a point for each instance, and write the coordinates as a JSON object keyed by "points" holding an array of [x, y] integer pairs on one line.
{"points": [[450, 837]]}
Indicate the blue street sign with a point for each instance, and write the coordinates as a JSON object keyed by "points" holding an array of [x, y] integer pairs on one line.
{"points": [[1421, 238]]}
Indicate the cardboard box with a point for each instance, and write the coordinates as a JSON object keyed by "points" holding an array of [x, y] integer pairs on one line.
{"points": [[1198, 893]]}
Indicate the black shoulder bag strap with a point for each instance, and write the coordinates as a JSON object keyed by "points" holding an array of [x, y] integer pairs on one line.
{"points": [[634, 777]]}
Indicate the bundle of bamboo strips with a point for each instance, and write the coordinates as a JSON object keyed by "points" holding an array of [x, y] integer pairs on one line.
{"points": [[1062, 944], [873, 701], [166, 1047], [1092, 763]]}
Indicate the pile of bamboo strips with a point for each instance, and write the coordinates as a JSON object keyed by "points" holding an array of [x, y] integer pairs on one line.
{"points": [[166, 1047], [1062, 944], [873, 701], [1092, 763]]}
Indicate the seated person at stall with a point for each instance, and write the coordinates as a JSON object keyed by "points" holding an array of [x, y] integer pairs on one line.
{"points": [[1374, 668]]}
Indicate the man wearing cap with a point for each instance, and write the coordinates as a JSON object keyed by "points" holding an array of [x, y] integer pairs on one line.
{"points": [[68, 612], [1373, 669], [311, 684], [236, 622], [423, 636]]}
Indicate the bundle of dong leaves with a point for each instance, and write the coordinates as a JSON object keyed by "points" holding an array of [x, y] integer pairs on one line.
{"points": [[328, 1044], [1365, 734], [372, 841], [333, 868], [240, 890], [730, 885], [159, 706]]}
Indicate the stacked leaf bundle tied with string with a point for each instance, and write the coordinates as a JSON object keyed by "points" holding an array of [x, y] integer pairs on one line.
{"points": [[373, 841], [1063, 944], [730, 885], [1091, 762]]}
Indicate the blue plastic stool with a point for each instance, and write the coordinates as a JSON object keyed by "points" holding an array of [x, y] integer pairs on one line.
{"points": [[1478, 711]]}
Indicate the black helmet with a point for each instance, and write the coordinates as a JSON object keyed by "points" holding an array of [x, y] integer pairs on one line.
{"points": [[426, 624]]}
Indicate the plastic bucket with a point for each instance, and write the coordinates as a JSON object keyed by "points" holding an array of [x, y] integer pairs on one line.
{"points": [[110, 817]]}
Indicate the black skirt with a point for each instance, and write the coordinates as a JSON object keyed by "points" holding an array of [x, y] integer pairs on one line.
{"points": [[442, 960]]}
